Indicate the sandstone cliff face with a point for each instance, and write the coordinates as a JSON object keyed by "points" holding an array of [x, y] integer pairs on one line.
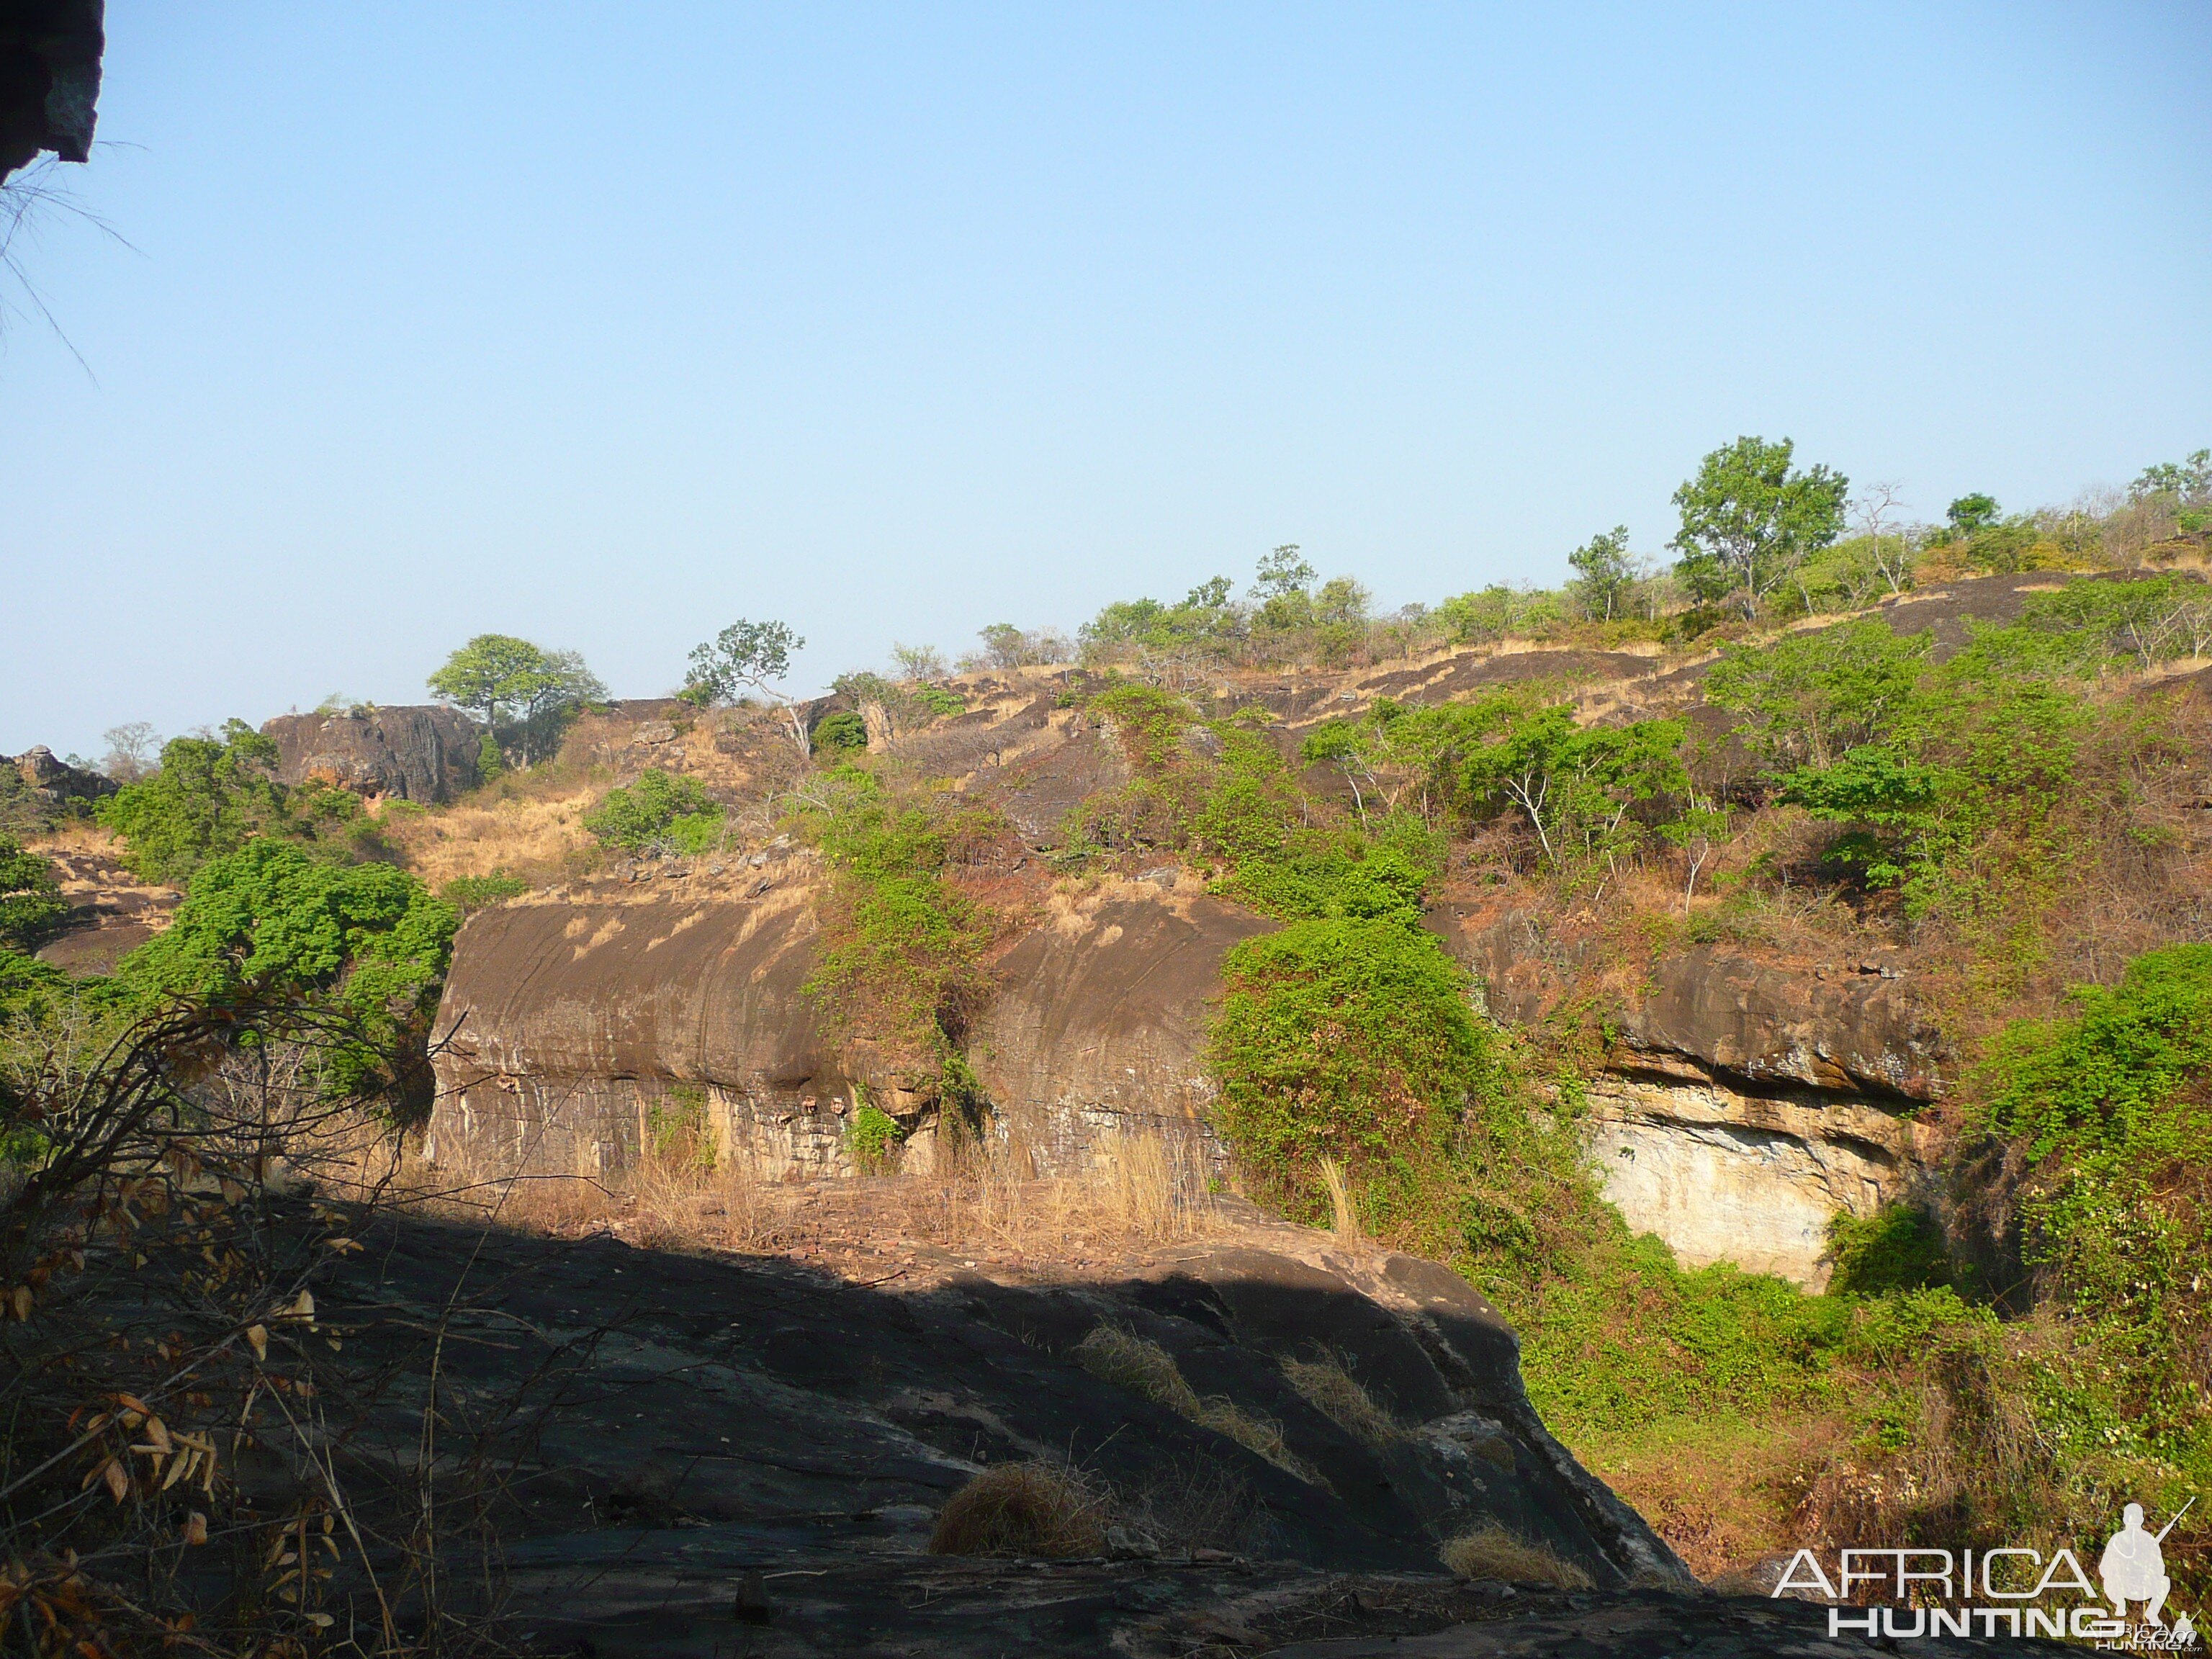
{"points": [[1743, 1104], [424, 754], [571, 1025], [1100, 1020]]}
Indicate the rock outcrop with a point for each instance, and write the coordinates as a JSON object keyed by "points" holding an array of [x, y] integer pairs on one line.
{"points": [[1743, 1104], [1099, 1021], [742, 1442], [111, 912], [50, 53], [426, 754], [572, 1025], [55, 783]]}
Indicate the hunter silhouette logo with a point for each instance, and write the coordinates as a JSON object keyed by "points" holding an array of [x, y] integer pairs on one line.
{"points": [[2133, 1567]]}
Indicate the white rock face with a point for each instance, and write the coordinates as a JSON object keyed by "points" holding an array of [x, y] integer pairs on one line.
{"points": [[1723, 1176]]}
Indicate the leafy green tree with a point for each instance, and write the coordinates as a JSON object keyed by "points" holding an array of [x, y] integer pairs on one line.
{"points": [[1748, 520], [746, 656], [1281, 572], [271, 918], [493, 676], [2188, 481], [506, 681], [31, 900], [1972, 514], [1812, 697], [1498, 612], [211, 795], [660, 808], [1573, 785], [1606, 573], [1342, 1039]]}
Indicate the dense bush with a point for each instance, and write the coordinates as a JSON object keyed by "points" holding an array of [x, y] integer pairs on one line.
{"points": [[31, 900], [467, 893], [839, 732], [902, 954], [211, 795], [660, 809], [1343, 1039], [2114, 1109], [271, 920]]}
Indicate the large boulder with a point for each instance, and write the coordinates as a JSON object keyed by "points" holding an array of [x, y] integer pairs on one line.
{"points": [[54, 783], [425, 754]]}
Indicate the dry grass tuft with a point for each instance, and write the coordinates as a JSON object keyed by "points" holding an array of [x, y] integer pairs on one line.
{"points": [[1145, 1184], [1148, 1370], [1337, 1394], [1032, 1509], [1491, 1551]]}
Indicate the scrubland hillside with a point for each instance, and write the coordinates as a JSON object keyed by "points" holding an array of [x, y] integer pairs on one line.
{"points": [[1784, 990]]}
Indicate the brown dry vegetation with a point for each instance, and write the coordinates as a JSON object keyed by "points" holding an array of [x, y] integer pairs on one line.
{"points": [[1491, 1551], [1031, 1509]]}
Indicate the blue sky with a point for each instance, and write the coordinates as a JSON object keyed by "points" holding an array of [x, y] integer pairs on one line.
{"points": [[606, 324]]}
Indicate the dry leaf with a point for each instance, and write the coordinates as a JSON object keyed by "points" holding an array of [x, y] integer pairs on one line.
{"points": [[117, 1483], [19, 1301], [257, 1338], [196, 1527]]}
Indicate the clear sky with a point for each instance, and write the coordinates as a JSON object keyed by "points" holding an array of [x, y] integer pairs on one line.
{"points": [[607, 323]]}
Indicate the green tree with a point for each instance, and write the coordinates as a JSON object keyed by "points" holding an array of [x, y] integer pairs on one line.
{"points": [[31, 900], [211, 795], [491, 677], [1344, 1039], [270, 918], [1573, 785], [503, 680], [1748, 520], [1812, 697], [1971, 514], [1608, 572], [746, 656]]}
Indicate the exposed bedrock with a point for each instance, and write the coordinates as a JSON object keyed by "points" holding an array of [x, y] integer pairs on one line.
{"points": [[425, 754], [1744, 1105], [576, 1028]]}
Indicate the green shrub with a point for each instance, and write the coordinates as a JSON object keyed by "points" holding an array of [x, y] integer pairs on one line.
{"points": [[660, 809], [675, 1128], [270, 918], [468, 893], [31, 900], [873, 1138], [2114, 1107], [901, 952], [1898, 1247], [209, 797], [1342, 1038], [840, 733], [1812, 697]]}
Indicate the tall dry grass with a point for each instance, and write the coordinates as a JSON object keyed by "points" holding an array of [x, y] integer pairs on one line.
{"points": [[539, 838]]}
